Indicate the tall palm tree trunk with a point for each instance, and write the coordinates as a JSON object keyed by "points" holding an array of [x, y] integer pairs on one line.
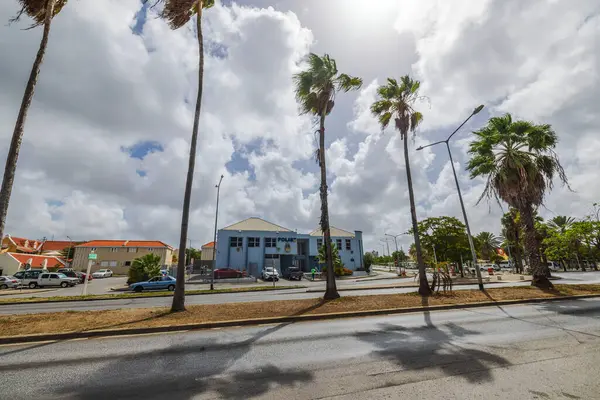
{"points": [[17, 137], [532, 245], [179, 295], [424, 289], [331, 292]]}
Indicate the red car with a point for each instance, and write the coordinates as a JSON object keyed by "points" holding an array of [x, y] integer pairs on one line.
{"points": [[223, 273]]}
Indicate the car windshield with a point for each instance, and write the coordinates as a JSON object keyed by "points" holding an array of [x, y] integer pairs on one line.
{"points": [[101, 270], [61, 275], [269, 269]]}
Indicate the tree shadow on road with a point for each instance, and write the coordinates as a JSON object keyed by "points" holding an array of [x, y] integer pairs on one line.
{"points": [[199, 365], [434, 347]]}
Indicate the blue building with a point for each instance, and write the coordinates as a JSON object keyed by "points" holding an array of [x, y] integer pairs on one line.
{"points": [[252, 244]]}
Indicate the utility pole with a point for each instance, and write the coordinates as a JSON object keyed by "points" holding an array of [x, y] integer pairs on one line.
{"points": [[212, 267]]}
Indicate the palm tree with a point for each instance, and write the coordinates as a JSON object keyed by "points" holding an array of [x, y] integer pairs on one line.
{"points": [[316, 88], [511, 231], [144, 268], [519, 161], [395, 101], [487, 244], [177, 13], [42, 12], [561, 223]]}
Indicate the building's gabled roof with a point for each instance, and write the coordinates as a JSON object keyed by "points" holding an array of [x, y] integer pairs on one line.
{"points": [[255, 224], [335, 232], [125, 243], [209, 245], [24, 244], [38, 261], [57, 245]]}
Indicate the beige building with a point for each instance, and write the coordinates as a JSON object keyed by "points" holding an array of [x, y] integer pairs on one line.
{"points": [[207, 251], [117, 255]]}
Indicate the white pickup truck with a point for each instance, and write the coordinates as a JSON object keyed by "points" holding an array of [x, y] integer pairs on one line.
{"points": [[56, 279]]}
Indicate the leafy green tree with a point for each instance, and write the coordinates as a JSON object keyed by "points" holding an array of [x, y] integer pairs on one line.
{"points": [[368, 259], [144, 268], [395, 101], [519, 162], [192, 253], [316, 88], [447, 235], [486, 244], [178, 13], [42, 13]]}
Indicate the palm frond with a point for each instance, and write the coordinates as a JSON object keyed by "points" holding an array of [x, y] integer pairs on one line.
{"points": [[177, 13], [36, 10], [346, 82]]}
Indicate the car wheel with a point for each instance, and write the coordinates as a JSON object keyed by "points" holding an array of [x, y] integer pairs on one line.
{"points": [[4, 286], [64, 284], [138, 289], [32, 285], [171, 288]]}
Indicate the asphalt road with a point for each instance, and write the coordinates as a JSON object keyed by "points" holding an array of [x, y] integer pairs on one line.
{"points": [[292, 294], [543, 351]]}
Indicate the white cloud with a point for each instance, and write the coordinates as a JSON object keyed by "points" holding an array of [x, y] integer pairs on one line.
{"points": [[103, 88]]}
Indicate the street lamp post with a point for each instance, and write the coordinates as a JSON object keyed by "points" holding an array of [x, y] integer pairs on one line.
{"points": [[462, 205], [70, 264], [212, 267], [396, 243]]}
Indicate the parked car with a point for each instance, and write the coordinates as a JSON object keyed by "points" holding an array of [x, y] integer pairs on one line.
{"points": [[293, 273], [223, 273], [71, 273], [29, 278], [82, 275], [270, 274], [157, 283], [56, 279], [103, 273], [8, 282]]}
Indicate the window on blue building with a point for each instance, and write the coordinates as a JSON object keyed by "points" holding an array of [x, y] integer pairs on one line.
{"points": [[348, 244], [236, 241], [253, 242], [319, 243], [338, 244], [270, 242]]}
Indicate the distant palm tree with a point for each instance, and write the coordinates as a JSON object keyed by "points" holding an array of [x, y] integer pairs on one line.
{"points": [[144, 268], [487, 243], [316, 88], [42, 12], [511, 232], [519, 161], [395, 102], [177, 13], [561, 223]]}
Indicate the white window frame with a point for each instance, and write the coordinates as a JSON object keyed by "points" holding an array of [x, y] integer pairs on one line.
{"points": [[270, 242], [338, 244], [253, 242], [113, 263], [319, 243], [114, 249], [132, 250], [348, 244], [104, 263]]}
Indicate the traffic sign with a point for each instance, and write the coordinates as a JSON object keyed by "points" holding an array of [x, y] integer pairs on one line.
{"points": [[92, 256]]}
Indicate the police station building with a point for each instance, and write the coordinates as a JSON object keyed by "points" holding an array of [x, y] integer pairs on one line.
{"points": [[252, 244]]}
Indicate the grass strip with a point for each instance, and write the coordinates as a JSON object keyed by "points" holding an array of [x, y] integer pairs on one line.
{"points": [[81, 321], [132, 295]]}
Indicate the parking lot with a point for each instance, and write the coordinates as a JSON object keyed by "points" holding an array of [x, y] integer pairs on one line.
{"points": [[95, 286]]}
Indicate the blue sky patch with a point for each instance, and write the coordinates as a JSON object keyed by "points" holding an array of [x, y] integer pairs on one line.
{"points": [[141, 172], [140, 20], [142, 149]]}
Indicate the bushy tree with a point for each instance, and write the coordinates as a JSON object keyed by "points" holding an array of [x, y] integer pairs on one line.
{"points": [[368, 259], [144, 268]]}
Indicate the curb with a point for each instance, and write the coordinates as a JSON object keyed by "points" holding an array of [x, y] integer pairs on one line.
{"points": [[143, 297], [272, 320], [405, 287]]}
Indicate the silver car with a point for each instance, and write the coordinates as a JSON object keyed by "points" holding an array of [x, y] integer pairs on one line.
{"points": [[9, 282], [56, 279]]}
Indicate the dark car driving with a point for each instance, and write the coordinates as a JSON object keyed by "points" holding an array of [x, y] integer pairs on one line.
{"points": [[293, 273]]}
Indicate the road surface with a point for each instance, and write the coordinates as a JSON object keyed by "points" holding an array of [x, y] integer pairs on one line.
{"points": [[292, 294], [542, 351]]}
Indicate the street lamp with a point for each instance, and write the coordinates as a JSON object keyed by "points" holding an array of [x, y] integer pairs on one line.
{"points": [[396, 243], [462, 205], [212, 267], [70, 264]]}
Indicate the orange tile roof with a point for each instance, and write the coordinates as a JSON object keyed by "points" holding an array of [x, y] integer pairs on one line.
{"points": [[37, 260], [20, 242], [57, 245], [208, 245], [125, 243]]}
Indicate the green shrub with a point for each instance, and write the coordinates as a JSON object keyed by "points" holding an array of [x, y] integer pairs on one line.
{"points": [[144, 268], [368, 261]]}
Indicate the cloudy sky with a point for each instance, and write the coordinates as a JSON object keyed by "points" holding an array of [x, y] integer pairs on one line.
{"points": [[107, 139]]}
